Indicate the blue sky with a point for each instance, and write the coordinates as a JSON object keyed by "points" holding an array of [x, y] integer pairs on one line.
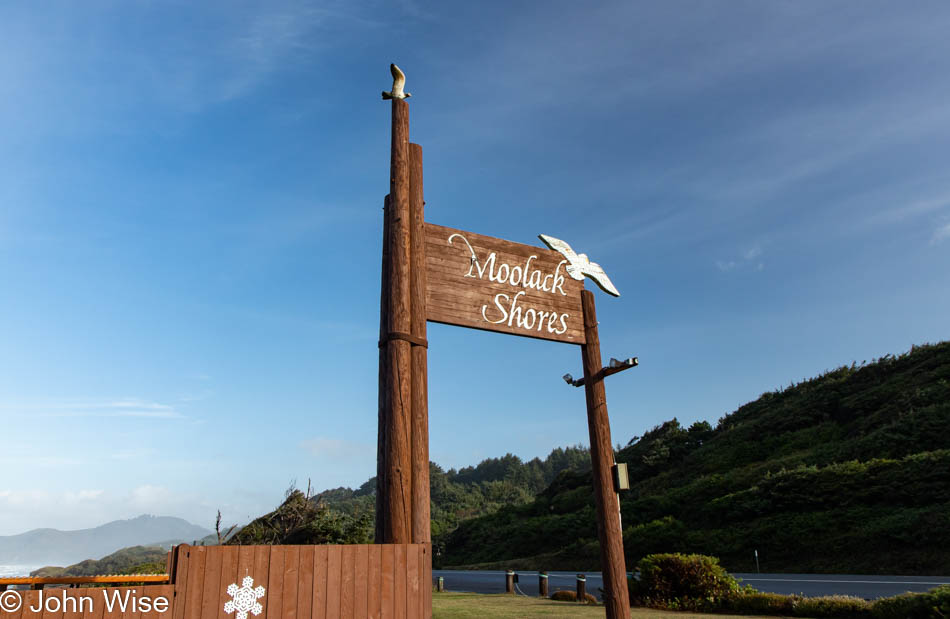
{"points": [[190, 220]]}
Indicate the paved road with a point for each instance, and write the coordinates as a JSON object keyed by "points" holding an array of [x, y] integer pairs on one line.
{"points": [[869, 587]]}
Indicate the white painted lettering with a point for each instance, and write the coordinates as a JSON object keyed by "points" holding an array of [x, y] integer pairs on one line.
{"points": [[501, 308], [507, 308]]}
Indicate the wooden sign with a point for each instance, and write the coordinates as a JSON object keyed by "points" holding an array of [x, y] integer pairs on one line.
{"points": [[487, 283]]}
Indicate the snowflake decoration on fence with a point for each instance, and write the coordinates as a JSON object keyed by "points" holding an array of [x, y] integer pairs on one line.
{"points": [[244, 599]]}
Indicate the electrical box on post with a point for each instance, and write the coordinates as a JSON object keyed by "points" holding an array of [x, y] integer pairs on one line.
{"points": [[621, 478]]}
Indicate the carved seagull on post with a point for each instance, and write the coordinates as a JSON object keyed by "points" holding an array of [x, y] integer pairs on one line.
{"points": [[580, 265], [399, 82]]}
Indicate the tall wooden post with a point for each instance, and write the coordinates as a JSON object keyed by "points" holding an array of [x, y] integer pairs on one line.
{"points": [[381, 485], [421, 528], [396, 525], [609, 533]]}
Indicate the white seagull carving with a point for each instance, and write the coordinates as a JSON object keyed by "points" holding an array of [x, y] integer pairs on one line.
{"points": [[399, 82], [580, 265]]}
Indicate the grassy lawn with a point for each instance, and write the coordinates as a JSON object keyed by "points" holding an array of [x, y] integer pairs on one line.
{"points": [[452, 605]]}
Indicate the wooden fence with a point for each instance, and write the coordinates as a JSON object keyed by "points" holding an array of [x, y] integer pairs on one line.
{"points": [[315, 582]]}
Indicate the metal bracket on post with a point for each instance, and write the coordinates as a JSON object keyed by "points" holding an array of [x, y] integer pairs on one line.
{"points": [[613, 367]]}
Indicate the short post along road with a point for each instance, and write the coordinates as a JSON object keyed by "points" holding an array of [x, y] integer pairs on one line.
{"points": [[488, 283]]}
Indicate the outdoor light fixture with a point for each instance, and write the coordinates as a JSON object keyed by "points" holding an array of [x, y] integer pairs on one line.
{"points": [[626, 363], [614, 366]]}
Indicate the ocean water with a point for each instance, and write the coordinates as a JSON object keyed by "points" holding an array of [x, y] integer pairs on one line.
{"points": [[9, 571]]}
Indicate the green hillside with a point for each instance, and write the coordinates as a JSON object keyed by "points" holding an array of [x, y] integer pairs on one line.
{"points": [[148, 560], [848, 472], [457, 495]]}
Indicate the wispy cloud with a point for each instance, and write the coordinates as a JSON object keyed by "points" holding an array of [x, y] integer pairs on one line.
{"points": [[916, 208], [750, 258], [941, 233], [124, 407], [110, 76], [336, 449]]}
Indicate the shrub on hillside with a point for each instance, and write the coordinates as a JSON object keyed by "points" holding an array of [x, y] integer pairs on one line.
{"points": [[757, 603], [682, 582], [152, 567], [934, 604], [571, 596], [931, 605], [844, 606], [299, 520]]}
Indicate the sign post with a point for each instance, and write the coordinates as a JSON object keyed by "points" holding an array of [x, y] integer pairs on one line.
{"points": [[609, 532], [396, 377], [439, 274]]}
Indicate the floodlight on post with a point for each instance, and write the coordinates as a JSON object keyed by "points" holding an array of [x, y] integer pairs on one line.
{"points": [[615, 366]]}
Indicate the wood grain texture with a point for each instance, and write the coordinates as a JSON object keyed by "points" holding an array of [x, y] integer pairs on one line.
{"points": [[397, 506], [495, 294], [425, 551], [181, 579], [381, 485], [334, 569], [229, 571], [319, 605], [211, 592], [347, 576], [273, 604], [73, 606], [374, 581], [419, 437], [387, 581], [306, 583], [288, 594], [197, 555], [609, 533], [413, 601], [360, 570], [400, 583], [260, 570]]}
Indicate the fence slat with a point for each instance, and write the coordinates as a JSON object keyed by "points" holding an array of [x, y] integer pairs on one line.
{"points": [[181, 562], [319, 608], [426, 551], [288, 593], [399, 601], [373, 581], [196, 577], [155, 591], [71, 610], [413, 603], [305, 583], [275, 582], [213, 589], [360, 570], [348, 564], [260, 570], [95, 610], [334, 565], [227, 575], [387, 569], [56, 603]]}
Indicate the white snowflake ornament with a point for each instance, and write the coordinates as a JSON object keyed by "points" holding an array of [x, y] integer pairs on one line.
{"points": [[244, 599]]}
